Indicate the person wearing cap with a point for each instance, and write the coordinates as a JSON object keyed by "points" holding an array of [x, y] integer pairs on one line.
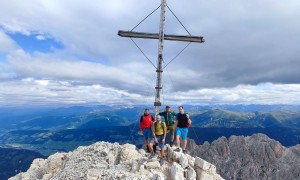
{"points": [[145, 128], [159, 132], [169, 117]]}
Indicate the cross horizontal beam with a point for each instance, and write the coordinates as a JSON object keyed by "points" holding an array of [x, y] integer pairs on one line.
{"points": [[132, 34]]}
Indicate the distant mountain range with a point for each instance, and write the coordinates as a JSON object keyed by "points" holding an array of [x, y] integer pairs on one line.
{"points": [[220, 118], [50, 130], [47, 130], [48, 142], [76, 117], [81, 117]]}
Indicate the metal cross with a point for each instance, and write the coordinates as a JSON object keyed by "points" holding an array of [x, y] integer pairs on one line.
{"points": [[161, 36]]}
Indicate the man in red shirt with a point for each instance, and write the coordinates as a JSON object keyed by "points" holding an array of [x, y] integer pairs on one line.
{"points": [[146, 129]]}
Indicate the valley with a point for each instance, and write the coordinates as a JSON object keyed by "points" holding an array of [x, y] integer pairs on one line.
{"points": [[47, 131]]}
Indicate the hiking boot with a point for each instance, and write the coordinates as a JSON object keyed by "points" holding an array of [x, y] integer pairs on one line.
{"points": [[161, 161], [184, 151], [151, 155]]}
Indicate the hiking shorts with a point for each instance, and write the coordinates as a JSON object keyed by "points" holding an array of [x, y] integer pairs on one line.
{"points": [[159, 139], [147, 133], [171, 128], [182, 132]]}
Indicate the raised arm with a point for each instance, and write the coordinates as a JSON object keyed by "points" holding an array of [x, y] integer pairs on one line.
{"points": [[189, 120]]}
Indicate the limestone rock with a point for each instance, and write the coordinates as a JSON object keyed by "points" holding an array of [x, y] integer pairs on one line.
{"points": [[183, 161], [104, 160], [176, 172], [129, 152], [190, 173], [252, 157], [152, 165], [204, 165]]}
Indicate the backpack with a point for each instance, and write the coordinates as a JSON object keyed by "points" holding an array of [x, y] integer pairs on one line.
{"points": [[169, 120]]}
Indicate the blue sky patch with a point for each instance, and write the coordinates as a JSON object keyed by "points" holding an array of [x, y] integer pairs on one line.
{"points": [[35, 42], [2, 56]]}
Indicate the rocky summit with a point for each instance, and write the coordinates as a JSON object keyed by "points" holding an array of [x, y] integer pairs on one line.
{"points": [[250, 157], [104, 160]]}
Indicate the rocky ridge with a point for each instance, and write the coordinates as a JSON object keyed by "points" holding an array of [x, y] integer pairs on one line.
{"points": [[251, 157], [104, 160]]}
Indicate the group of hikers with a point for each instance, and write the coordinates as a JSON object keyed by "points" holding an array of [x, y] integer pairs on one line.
{"points": [[155, 130]]}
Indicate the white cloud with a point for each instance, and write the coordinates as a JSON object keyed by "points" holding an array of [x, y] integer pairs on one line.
{"points": [[266, 93], [50, 92], [43, 66], [38, 92], [6, 44], [40, 37], [241, 47]]}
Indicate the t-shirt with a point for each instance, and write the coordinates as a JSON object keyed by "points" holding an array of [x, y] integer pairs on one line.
{"points": [[158, 128], [182, 120]]}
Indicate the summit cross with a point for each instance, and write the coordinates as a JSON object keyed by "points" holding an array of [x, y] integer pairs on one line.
{"points": [[161, 36]]}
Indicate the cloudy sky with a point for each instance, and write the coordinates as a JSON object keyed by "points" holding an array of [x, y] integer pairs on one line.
{"points": [[55, 52]]}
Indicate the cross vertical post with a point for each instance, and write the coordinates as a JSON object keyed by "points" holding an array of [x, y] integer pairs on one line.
{"points": [[159, 69]]}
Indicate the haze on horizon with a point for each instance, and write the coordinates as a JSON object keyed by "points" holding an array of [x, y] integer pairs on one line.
{"points": [[68, 52]]}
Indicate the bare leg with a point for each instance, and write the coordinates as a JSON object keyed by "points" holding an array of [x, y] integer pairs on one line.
{"points": [[178, 141], [162, 153], [184, 144], [148, 150], [149, 145], [172, 137]]}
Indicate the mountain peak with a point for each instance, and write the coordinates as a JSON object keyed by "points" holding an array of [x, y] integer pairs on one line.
{"points": [[251, 157], [104, 160]]}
